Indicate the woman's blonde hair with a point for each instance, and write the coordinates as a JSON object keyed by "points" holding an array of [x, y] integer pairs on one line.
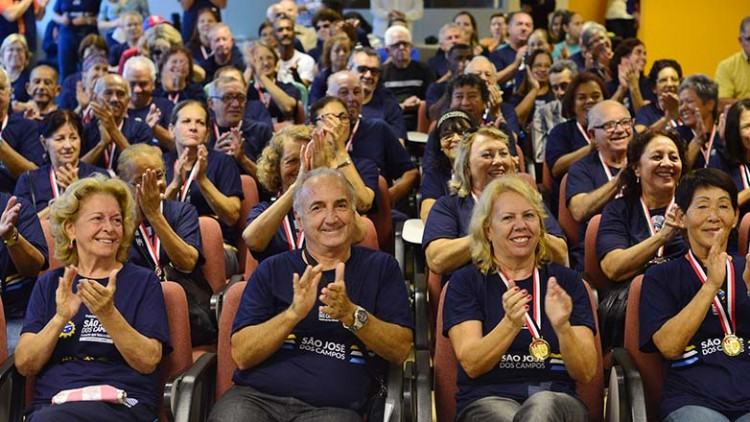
{"points": [[481, 247], [460, 183], [269, 163], [16, 39], [65, 209], [325, 57]]}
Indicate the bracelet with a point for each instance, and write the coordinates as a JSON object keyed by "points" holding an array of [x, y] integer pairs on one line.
{"points": [[344, 164], [12, 239]]}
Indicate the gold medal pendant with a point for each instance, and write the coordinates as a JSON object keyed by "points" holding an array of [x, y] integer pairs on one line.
{"points": [[539, 349], [732, 345]]}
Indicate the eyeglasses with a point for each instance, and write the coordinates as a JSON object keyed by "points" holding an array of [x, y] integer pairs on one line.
{"points": [[400, 44], [323, 26], [611, 125], [228, 98], [364, 69], [344, 117], [562, 86]]}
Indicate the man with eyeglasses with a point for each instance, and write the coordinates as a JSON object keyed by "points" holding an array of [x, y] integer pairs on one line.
{"points": [[241, 139], [377, 102], [733, 73], [549, 115], [111, 130], [407, 79], [140, 74], [593, 181]]}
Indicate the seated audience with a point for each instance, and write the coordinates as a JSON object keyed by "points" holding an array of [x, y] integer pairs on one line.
{"points": [[112, 13], [272, 228], [482, 157], [458, 57], [468, 23], [450, 34], [280, 98], [131, 25], [498, 32], [549, 115], [693, 309], [43, 90], [509, 303], [325, 22], [663, 111], [629, 85], [99, 319], [639, 229], [297, 299], [61, 135], [733, 73], [199, 43], [508, 59], [334, 58], [224, 52], [734, 157], [176, 80], [571, 25], [140, 74], [534, 89], [699, 112], [15, 59]]}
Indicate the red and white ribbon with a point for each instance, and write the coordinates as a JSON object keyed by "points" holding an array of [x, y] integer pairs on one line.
{"points": [[726, 319], [534, 325]]}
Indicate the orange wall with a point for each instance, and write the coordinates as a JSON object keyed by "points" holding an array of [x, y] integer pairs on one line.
{"points": [[590, 10], [696, 33]]}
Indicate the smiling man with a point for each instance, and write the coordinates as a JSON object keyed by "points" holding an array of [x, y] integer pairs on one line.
{"points": [[140, 74], [317, 326], [43, 90]]}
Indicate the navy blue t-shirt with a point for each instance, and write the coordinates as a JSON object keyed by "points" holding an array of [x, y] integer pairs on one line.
{"points": [[257, 112], [67, 98], [320, 362], [374, 140], [190, 17], [438, 63], [687, 134], [16, 289], [210, 65], [272, 107], [435, 182], [623, 225], [319, 86], [434, 92], [279, 242], [22, 135], [192, 91], [115, 52], [384, 106], [85, 354], [473, 296], [19, 85], [256, 136], [38, 182], [183, 219], [224, 173], [627, 100], [136, 132], [649, 114], [76, 8], [563, 139], [585, 176], [164, 105], [703, 375], [722, 161]]}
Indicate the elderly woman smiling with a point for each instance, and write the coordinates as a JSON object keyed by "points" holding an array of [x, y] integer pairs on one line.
{"points": [[99, 320], [509, 309]]}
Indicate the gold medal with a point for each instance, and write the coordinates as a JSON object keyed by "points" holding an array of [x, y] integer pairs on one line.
{"points": [[539, 349], [732, 345]]}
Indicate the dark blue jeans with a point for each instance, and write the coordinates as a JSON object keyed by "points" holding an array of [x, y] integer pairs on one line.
{"points": [[67, 50]]}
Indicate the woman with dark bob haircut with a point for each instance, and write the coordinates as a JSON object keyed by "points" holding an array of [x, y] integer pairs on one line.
{"points": [[734, 157], [695, 310]]}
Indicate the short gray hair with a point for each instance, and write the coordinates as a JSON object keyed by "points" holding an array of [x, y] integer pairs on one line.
{"points": [[392, 31], [214, 87], [446, 27], [215, 27], [589, 31], [318, 173], [563, 64], [139, 62], [110, 77], [705, 88]]}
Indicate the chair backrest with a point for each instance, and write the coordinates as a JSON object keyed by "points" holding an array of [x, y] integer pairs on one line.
{"points": [[743, 237], [250, 192], [547, 177], [213, 250], [568, 224], [225, 365], [371, 235], [3, 334], [250, 265], [53, 262], [650, 365], [423, 120], [181, 357], [434, 288], [382, 219], [521, 159], [445, 367], [591, 265]]}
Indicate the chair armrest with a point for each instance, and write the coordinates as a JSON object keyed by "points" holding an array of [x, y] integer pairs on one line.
{"points": [[12, 392], [421, 318], [635, 406], [394, 398], [189, 397], [423, 381]]}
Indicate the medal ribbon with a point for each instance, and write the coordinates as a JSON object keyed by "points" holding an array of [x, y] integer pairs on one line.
{"points": [[173, 97], [153, 243], [583, 132], [264, 97], [53, 184], [707, 152], [608, 172], [726, 319], [651, 228], [745, 175], [186, 186], [349, 144], [534, 325], [290, 237], [109, 150]]}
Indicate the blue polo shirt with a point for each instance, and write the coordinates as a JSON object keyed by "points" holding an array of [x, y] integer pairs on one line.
{"points": [[279, 242], [16, 289], [623, 225], [224, 173], [163, 104], [256, 137], [320, 362], [136, 132], [384, 106], [183, 219], [273, 109], [585, 176], [375, 141], [22, 135], [35, 186], [85, 354], [703, 375], [473, 296]]}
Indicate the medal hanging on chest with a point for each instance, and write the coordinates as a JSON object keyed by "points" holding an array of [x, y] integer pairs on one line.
{"points": [[731, 344], [539, 348]]}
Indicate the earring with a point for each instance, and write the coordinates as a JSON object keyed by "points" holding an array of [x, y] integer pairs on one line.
{"points": [[71, 244]]}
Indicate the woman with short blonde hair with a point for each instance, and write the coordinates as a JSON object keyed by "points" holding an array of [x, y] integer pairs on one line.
{"points": [[15, 58]]}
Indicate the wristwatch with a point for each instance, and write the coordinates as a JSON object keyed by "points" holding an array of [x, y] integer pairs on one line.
{"points": [[360, 320], [12, 239]]}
